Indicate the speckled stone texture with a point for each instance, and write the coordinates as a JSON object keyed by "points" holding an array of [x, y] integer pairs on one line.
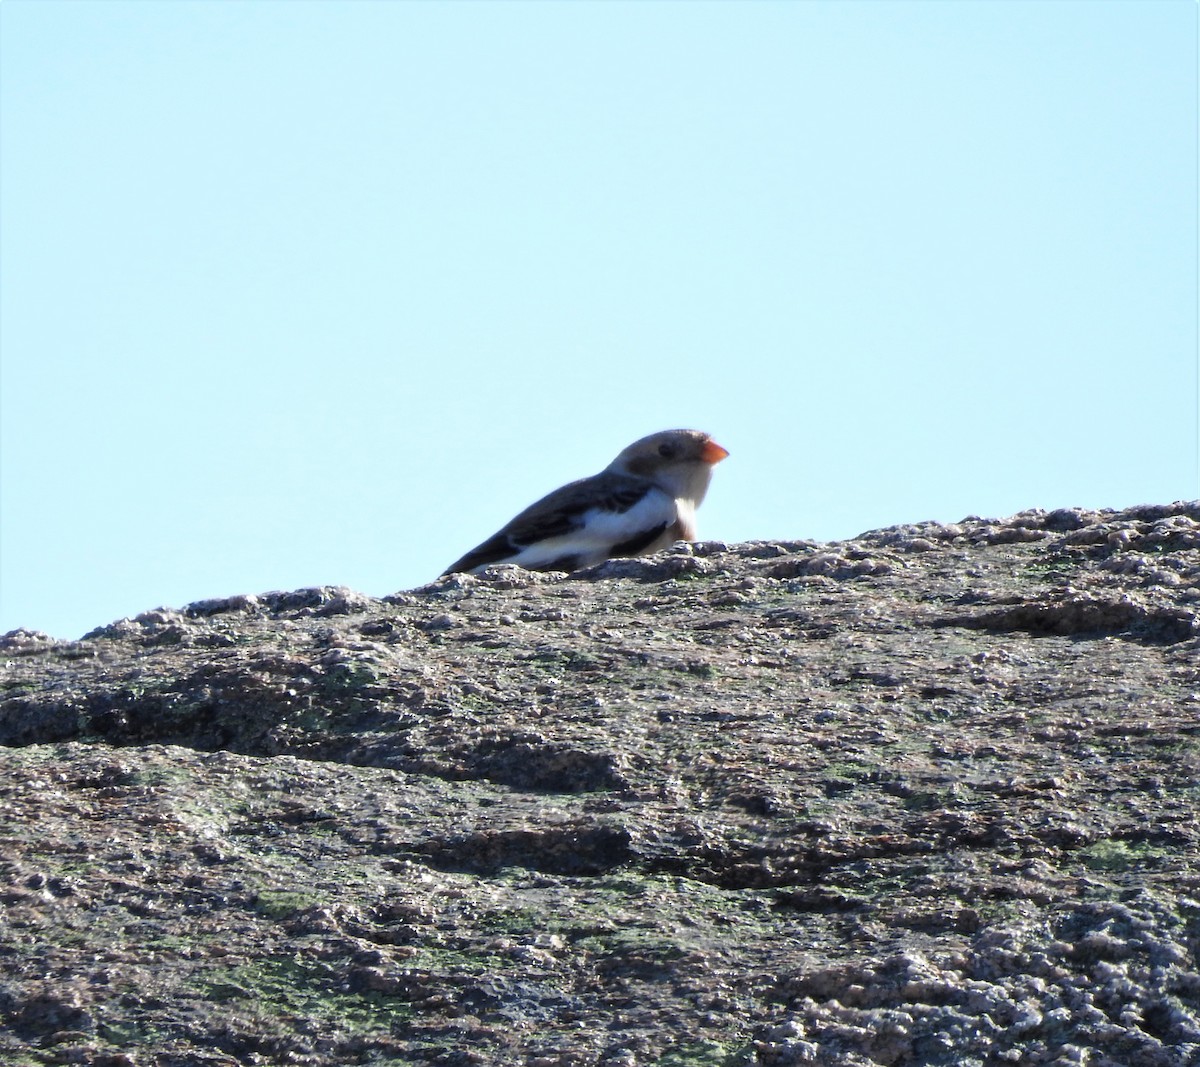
{"points": [[926, 797]]}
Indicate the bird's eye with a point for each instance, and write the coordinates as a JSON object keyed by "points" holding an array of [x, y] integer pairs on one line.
{"points": [[666, 451]]}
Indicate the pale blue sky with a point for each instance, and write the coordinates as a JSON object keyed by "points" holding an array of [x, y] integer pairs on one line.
{"points": [[323, 293]]}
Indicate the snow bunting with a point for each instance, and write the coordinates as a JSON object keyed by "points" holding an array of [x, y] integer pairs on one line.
{"points": [[643, 501]]}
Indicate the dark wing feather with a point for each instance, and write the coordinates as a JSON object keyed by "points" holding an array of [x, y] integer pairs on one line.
{"points": [[634, 545], [562, 511], [556, 514], [496, 548]]}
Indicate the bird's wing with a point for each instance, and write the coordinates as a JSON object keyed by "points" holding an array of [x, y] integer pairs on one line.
{"points": [[496, 549], [609, 508]]}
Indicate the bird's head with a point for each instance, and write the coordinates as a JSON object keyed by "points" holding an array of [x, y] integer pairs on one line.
{"points": [[677, 461]]}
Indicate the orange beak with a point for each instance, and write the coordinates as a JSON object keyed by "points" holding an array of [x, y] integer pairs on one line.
{"points": [[713, 452]]}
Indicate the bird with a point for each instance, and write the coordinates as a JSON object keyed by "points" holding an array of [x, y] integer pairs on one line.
{"points": [[643, 501]]}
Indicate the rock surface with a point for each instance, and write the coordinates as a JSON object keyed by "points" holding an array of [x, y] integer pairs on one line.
{"points": [[924, 797]]}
